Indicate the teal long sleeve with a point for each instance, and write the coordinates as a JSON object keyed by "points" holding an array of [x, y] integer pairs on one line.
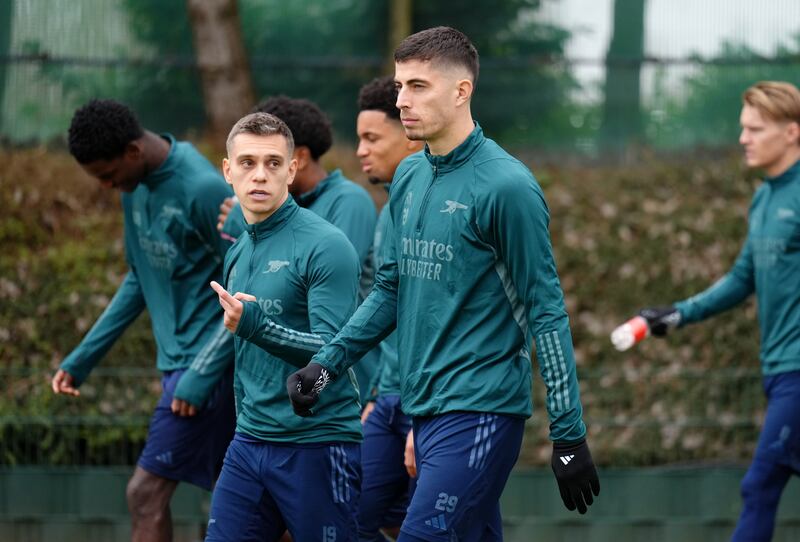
{"points": [[126, 305]]}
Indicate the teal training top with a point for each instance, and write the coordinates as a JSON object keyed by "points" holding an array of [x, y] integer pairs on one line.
{"points": [[769, 265], [349, 207], [304, 274], [469, 281], [173, 251]]}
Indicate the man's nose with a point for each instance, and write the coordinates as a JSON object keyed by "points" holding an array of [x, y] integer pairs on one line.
{"points": [[402, 99]]}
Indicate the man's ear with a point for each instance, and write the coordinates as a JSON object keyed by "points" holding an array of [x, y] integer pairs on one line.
{"points": [[464, 89], [793, 132], [303, 157], [292, 170], [226, 170], [134, 150]]}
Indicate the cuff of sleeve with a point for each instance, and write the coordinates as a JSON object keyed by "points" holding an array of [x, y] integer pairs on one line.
{"points": [[248, 321], [575, 434], [78, 373], [189, 390], [324, 359], [682, 310]]}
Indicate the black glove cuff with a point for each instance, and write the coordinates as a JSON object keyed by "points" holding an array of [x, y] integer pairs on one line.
{"points": [[568, 446]]}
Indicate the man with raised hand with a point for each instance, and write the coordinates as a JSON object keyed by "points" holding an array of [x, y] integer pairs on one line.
{"points": [[469, 281], [330, 195], [295, 278], [170, 198], [382, 145], [769, 265]]}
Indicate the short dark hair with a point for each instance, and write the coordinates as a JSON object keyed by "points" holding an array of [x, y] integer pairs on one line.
{"points": [[309, 125], [261, 124], [442, 44], [101, 130], [380, 94]]}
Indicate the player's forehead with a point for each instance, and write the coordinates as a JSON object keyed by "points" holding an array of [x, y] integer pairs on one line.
{"points": [[373, 121], [253, 145], [433, 70]]}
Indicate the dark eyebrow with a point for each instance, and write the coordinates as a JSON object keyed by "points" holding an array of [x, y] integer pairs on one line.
{"points": [[250, 156]]}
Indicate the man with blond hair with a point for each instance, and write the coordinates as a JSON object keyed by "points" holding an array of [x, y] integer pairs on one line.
{"points": [[769, 265]]}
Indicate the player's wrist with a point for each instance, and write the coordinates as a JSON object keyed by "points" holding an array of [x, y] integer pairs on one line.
{"points": [[568, 445], [247, 321]]}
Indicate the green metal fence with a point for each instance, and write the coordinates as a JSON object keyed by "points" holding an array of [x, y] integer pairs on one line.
{"points": [[636, 417], [667, 87]]}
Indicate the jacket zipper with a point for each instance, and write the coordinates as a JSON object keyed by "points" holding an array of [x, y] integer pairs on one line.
{"points": [[425, 199], [251, 274]]}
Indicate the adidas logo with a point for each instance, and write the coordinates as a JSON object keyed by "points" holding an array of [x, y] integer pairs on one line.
{"points": [[165, 457], [437, 522], [566, 458]]}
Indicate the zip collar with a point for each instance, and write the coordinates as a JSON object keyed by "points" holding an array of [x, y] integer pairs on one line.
{"points": [[308, 199], [167, 168], [792, 173], [273, 223], [458, 156]]}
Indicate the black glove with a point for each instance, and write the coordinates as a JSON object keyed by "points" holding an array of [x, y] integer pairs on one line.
{"points": [[577, 478], [661, 319], [304, 387]]}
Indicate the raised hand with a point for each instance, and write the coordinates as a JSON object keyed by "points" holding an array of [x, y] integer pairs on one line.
{"points": [[231, 304]]}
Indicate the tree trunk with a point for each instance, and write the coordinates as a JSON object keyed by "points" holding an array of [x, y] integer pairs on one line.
{"points": [[221, 58], [400, 13], [622, 116]]}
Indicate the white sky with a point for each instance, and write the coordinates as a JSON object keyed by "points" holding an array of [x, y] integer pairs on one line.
{"points": [[675, 28]]}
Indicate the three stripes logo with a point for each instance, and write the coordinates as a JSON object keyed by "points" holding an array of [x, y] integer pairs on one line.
{"points": [[437, 522], [166, 458], [566, 458]]}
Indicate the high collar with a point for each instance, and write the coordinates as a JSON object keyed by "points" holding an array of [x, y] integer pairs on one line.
{"points": [[458, 156], [167, 168], [307, 199], [273, 222], [792, 173]]}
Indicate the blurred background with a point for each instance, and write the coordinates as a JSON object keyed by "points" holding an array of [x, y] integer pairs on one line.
{"points": [[626, 111]]}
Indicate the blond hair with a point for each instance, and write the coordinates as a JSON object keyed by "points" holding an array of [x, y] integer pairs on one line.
{"points": [[775, 100]]}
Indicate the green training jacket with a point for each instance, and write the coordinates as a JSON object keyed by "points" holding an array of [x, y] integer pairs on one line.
{"points": [[469, 281], [349, 207], [173, 250], [769, 265], [304, 274]]}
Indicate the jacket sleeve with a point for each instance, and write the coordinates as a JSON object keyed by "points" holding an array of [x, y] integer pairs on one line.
{"points": [[332, 275], [216, 356], [374, 320], [515, 220], [204, 211], [726, 293], [126, 305], [207, 368], [234, 224]]}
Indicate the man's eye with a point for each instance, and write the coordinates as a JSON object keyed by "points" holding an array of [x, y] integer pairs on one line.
{"points": [[247, 163]]}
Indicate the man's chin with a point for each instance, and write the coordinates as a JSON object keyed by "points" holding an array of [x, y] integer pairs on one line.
{"points": [[376, 180], [414, 135]]}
